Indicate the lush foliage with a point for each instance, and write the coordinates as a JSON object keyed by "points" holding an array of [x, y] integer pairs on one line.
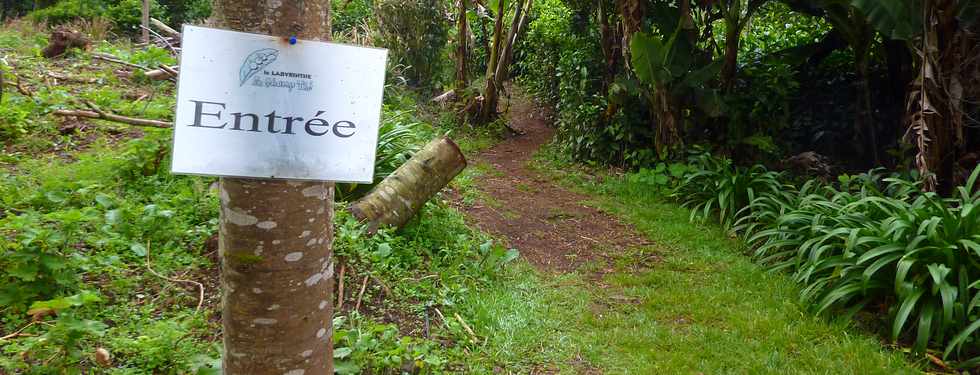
{"points": [[415, 32], [715, 188], [878, 240], [125, 15], [870, 242], [560, 62]]}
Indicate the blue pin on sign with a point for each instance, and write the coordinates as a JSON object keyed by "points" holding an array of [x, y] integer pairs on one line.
{"points": [[292, 40]]}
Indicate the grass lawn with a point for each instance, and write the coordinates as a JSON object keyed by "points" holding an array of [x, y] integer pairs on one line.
{"points": [[699, 306]]}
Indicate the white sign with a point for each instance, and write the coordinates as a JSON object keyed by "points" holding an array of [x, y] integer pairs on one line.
{"points": [[260, 106]]}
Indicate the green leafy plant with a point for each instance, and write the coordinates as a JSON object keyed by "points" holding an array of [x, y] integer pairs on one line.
{"points": [[717, 188], [663, 176], [415, 33], [62, 343], [362, 346], [879, 240]]}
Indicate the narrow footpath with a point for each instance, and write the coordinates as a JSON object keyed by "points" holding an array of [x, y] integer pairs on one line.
{"points": [[549, 224]]}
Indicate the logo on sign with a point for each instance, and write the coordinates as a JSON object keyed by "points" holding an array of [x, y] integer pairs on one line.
{"points": [[259, 60]]}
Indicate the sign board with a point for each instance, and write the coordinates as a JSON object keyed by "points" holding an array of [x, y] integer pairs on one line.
{"points": [[253, 105]]}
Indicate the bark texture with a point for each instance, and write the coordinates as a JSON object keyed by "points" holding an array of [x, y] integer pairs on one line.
{"points": [[276, 236], [462, 36], [276, 275], [491, 92], [396, 199]]}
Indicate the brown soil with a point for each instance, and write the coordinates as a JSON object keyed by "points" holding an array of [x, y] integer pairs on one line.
{"points": [[550, 225]]}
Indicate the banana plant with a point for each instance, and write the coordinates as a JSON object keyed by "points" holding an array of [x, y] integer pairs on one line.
{"points": [[672, 73]]}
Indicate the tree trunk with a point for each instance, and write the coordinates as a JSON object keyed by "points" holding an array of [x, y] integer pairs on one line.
{"points": [[865, 128], [462, 36], [275, 237], [145, 21], [608, 44], [491, 92], [507, 51], [399, 197], [731, 55], [733, 33]]}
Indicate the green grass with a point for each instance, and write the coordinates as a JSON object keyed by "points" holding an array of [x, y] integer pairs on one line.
{"points": [[702, 307]]}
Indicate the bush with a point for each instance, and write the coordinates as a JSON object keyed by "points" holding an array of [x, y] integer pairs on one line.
{"points": [[870, 241], [348, 14], [560, 61], [716, 187], [183, 11], [69, 10], [874, 241], [415, 31], [125, 15]]}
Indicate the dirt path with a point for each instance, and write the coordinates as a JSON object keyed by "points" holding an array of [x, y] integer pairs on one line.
{"points": [[550, 225]]}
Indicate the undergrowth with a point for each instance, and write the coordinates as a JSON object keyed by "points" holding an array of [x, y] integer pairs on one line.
{"points": [[869, 244]]}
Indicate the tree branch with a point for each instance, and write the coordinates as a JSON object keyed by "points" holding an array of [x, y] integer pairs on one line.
{"points": [[97, 113]]}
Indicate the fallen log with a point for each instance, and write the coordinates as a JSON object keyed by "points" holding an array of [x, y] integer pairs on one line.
{"points": [[97, 113], [400, 196]]}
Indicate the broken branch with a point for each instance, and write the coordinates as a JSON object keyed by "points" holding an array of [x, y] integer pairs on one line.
{"points": [[113, 59], [340, 288], [65, 77], [469, 330], [20, 88], [357, 305], [99, 114], [163, 27], [17, 333]]}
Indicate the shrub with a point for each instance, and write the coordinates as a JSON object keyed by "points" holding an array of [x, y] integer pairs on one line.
{"points": [[125, 15], [718, 188], [415, 31], [348, 14], [183, 11], [879, 240], [69, 10], [560, 61]]}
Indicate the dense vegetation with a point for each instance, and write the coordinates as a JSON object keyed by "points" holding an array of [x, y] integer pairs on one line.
{"points": [[837, 140]]}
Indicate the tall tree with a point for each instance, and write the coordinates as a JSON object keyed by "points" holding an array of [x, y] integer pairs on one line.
{"points": [[276, 235], [517, 25], [462, 39], [491, 92], [736, 15]]}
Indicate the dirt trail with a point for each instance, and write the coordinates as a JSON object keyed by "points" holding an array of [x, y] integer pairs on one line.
{"points": [[550, 225]]}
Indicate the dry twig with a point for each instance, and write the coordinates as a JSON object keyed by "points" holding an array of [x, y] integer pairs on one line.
{"points": [[340, 287], [469, 330], [20, 87], [200, 298], [357, 305], [68, 78], [17, 333], [97, 113], [163, 27], [113, 59]]}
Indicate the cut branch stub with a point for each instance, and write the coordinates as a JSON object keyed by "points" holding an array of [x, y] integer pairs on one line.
{"points": [[400, 196]]}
